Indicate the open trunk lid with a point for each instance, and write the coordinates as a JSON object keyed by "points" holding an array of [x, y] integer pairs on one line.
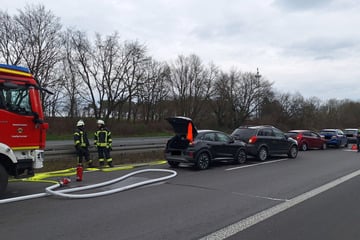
{"points": [[182, 126]]}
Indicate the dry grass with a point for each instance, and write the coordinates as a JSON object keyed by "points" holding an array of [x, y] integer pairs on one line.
{"points": [[118, 159]]}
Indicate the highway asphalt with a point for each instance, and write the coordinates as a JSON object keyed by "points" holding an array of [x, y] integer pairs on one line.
{"points": [[317, 194]]}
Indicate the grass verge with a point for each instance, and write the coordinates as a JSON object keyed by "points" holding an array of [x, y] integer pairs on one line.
{"points": [[118, 159]]}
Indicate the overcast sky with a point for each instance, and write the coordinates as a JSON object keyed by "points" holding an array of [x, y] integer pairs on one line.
{"points": [[306, 46]]}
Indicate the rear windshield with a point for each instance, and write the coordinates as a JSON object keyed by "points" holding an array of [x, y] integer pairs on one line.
{"points": [[292, 134], [328, 132], [350, 131], [243, 133]]}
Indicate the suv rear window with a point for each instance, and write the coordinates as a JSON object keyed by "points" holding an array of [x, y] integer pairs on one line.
{"points": [[243, 133], [350, 131], [328, 132], [292, 134]]}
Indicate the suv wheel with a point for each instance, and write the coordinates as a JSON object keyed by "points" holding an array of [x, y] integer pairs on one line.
{"points": [[262, 154], [304, 147], [203, 161], [293, 151], [240, 157], [173, 164]]}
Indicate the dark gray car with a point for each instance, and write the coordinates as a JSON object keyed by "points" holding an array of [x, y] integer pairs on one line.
{"points": [[201, 147], [264, 141], [351, 134]]}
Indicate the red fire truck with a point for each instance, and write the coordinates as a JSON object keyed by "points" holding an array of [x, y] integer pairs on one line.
{"points": [[22, 126]]}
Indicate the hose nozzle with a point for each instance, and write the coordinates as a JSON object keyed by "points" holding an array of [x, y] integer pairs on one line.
{"points": [[64, 181]]}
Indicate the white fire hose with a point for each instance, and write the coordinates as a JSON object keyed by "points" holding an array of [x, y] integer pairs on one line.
{"points": [[65, 193]]}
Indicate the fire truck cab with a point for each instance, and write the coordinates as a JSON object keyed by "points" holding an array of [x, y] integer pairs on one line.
{"points": [[22, 126]]}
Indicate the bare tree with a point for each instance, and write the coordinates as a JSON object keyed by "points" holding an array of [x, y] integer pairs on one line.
{"points": [[310, 114], [134, 73], [12, 40], [191, 84], [240, 93], [111, 72], [154, 90], [40, 45], [109, 82], [73, 86], [223, 99], [83, 57]]}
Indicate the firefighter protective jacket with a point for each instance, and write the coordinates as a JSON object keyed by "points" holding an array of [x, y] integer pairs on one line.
{"points": [[80, 138], [102, 138]]}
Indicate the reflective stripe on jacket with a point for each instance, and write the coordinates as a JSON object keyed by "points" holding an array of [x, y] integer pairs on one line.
{"points": [[80, 138], [102, 138]]}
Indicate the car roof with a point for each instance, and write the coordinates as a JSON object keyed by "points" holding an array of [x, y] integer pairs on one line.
{"points": [[208, 130], [205, 130], [300, 130], [352, 129], [256, 127]]}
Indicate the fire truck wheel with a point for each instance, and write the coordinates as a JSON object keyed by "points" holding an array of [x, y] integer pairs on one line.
{"points": [[3, 179]]}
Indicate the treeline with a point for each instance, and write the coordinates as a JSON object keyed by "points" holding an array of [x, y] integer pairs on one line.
{"points": [[106, 77]]}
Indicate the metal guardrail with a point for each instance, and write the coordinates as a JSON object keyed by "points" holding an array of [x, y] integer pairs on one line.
{"points": [[67, 148]]}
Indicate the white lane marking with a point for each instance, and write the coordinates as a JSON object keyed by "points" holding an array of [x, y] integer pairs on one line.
{"points": [[263, 215], [257, 196], [254, 165]]}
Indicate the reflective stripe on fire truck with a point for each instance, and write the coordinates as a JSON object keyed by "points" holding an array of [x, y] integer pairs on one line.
{"points": [[15, 72], [26, 148]]}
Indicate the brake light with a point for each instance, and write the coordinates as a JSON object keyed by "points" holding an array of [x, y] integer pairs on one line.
{"points": [[253, 139]]}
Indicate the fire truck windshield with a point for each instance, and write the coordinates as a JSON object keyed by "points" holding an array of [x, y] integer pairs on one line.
{"points": [[15, 99]]}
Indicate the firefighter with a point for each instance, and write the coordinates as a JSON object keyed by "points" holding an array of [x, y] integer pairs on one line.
{"points": [[82, 144], [103, 142]]}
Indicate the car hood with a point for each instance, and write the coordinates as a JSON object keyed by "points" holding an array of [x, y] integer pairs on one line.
{"points": [[181, 125]]}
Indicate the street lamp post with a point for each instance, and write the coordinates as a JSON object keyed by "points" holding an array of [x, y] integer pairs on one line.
{"points": [[258, 76]]}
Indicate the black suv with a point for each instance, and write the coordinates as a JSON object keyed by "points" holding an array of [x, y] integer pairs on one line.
{"points": [[263, 141], [201, 147]]}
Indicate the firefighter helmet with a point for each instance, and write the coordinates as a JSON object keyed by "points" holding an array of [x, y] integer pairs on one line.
{"points": [[80, 123], [100, 122]]}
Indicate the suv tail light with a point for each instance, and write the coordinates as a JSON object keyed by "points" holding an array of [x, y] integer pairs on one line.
{"points": [[252, 139], [193, 143]]}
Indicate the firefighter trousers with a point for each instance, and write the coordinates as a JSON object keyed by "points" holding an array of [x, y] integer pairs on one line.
{"points": [[83, 153], [104, 154]]}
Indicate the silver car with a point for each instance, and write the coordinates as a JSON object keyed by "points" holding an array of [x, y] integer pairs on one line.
{"points": [[351, 134]]}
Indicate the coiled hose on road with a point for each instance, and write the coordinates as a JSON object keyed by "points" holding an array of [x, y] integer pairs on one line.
{"points": [[65, 193]]}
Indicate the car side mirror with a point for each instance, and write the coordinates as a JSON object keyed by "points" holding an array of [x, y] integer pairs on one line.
{"points": [[37, 120]]}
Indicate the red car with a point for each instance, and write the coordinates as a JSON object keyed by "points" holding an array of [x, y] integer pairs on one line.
{"points": [[307, 139]]}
